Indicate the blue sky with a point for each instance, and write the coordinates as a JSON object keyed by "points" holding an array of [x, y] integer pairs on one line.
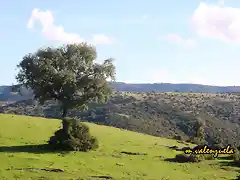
{"points": [[151, 41]]}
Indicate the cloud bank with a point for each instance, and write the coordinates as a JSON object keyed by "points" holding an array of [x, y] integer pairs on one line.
{"points": [[217, 22], [54, 32]]}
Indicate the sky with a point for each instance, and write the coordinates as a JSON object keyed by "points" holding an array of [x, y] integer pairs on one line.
{"points": [[154, 41]]}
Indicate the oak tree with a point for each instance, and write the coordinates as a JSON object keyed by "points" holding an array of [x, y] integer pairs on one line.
{"points": [[69, 74]]}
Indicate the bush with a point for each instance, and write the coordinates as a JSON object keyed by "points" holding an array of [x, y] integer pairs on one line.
{"points": [[184, 158], [193, 158], [195, 140], [206, 157], [73, 137], [178, 137], [185, 148], [236, 156]]}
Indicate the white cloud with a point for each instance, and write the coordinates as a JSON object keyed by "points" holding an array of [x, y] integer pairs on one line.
{"points": [[57, 33], [50, 30], [178, 39], [101, 39], [217, 22]]}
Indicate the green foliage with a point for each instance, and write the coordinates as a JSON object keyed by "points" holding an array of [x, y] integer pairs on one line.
{"points": [[236, 156], [199, 137], [18, 150], [202, 157], [68, 74], [196, 140], [185, 158], [160, 114], [73, 137], [199, 129], [178, 137]]}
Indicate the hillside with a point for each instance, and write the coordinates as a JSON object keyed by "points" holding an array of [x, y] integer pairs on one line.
{"points": [[158, 114], [7, 95], [19, 149], [168, 87]]}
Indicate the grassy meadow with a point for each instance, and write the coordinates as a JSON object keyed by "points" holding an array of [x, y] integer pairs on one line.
{"points": [[19, 136]]}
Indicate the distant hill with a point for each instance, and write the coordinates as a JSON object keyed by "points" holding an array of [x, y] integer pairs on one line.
{"points": [[6, 93], [168, 87]]}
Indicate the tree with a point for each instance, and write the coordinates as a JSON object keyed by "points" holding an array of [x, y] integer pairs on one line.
{"points": [[68, 74], [199, 130]]}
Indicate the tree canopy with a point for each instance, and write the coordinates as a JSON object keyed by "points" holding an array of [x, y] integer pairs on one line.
{"points": [[68, 74]]}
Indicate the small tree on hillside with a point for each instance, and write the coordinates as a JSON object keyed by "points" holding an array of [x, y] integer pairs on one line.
{"points": [[199, 131], [199, 134], [68, 74]]}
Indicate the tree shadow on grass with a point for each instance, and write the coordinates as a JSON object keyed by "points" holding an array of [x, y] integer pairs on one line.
{"points": [[225, 158], [36, 149], [171, 160], [230, 163], [175, 160]]}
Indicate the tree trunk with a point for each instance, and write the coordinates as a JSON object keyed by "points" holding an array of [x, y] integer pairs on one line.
{"points": [[64, 112], [64, 123]]}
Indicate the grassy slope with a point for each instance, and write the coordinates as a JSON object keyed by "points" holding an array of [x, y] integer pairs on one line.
{"points": [[158, 114], [24, 130]]}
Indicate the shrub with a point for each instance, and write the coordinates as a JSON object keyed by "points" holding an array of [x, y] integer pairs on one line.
{"points": [[206, 157], [185, 148], [195, 140], [184, 158], [218, 145], [73, 137], [236, 157], [178, 137]]}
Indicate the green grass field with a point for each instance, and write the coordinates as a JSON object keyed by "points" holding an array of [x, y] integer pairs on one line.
{"points": [[19, 133]]}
